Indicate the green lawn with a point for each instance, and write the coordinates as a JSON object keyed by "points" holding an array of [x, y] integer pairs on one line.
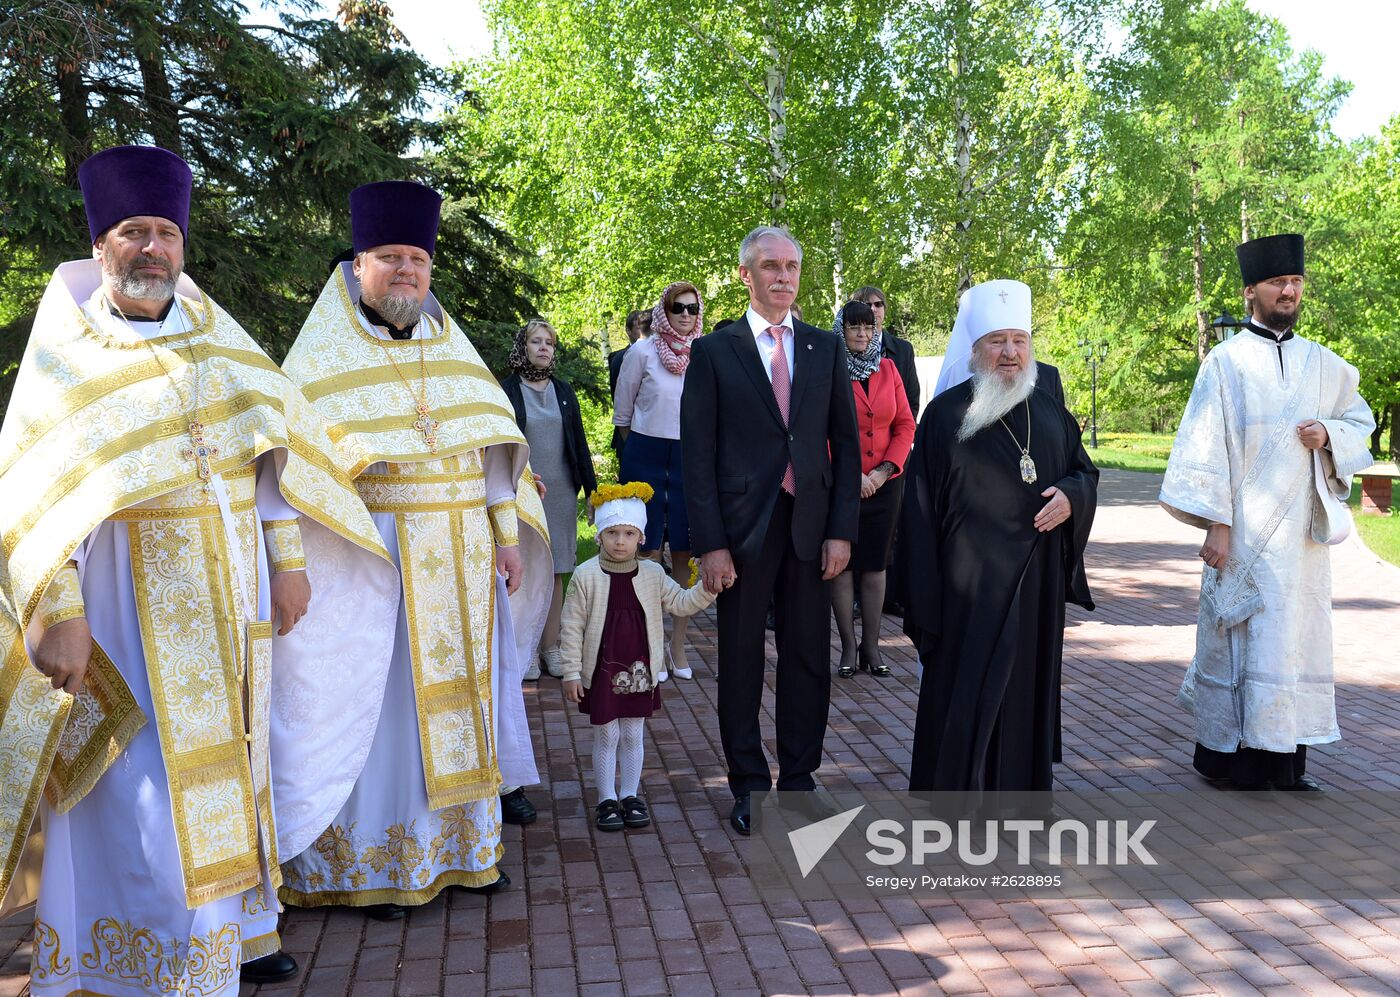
{"points": [[1380, 533], [1131, 451], [1149, 452]]}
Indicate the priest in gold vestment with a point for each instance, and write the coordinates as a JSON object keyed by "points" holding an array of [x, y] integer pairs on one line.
{"points": [[433, 446], [157, 476]]}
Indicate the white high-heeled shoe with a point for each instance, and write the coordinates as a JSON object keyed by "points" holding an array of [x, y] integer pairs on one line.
{"points": [[681, 672]]}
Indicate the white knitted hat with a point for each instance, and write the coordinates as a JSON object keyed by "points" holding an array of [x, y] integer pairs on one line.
{"points": [[621, 512]]}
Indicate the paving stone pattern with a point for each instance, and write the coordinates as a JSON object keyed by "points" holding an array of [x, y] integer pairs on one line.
{"points": [[669, 909]]}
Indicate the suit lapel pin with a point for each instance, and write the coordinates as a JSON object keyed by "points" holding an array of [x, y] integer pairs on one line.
{"points": [[809, 346]]}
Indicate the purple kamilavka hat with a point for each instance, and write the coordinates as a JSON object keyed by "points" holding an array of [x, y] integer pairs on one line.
{"points": [[394, 212], [131, 180]]}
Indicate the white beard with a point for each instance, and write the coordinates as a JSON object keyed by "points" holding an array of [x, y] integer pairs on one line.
{"points": [[993, 397]]}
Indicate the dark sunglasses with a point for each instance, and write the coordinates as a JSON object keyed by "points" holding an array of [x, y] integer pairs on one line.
{"points": [[877, 304], [677, 308]]}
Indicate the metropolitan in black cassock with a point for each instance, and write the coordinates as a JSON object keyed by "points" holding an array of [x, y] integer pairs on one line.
{"points": [[988, 582]]}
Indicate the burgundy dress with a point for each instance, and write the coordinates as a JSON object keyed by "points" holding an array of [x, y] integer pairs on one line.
{"points": [[622, 685]]}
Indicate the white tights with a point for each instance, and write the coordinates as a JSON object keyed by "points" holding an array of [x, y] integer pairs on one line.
{"points": [[626, 732]]}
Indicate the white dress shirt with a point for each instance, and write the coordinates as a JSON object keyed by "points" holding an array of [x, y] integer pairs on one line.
{"points": [[759, 325]]}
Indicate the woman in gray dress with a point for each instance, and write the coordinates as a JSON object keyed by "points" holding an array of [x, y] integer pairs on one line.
{"points": [[547, 410]]}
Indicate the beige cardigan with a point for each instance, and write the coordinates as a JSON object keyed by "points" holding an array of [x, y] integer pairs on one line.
{"points": [[586, 607]]}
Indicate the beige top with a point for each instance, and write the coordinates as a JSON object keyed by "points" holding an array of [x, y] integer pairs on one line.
{"points": [[586, 609], [648, 396]]}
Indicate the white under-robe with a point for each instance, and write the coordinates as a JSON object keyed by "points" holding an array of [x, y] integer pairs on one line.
{"points": [[1262, 673], [387, 812], [112, 891]]}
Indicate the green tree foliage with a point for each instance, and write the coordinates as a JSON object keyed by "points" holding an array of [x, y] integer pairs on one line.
{"points": [[1353, 282], [279, 117], [1209, 129], [636, 143]]}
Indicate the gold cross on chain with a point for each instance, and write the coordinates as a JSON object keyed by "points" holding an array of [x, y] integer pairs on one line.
{"points": [[200, 451], [428, 426]]}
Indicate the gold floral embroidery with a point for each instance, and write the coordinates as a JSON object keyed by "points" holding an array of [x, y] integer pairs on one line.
{"points": [[124, 952], [459, 844], [334, 845], [458, 835], [48, 957], [401, 855]]}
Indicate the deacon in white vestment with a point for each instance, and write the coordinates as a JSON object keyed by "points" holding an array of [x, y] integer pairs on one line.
{"points": [[1263, 462], [432, 443], [154, 464]]}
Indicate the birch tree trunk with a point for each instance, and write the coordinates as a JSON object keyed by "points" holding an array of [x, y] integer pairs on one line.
{"points": [[775, 73], [1198, 266]]}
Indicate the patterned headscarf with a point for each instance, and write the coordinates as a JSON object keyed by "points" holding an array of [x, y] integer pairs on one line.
{"points": [[673, 349], [861, 365], [519, 359]]}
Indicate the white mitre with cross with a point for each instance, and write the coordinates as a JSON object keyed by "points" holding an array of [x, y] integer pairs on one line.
{"points": [[987, 307]]}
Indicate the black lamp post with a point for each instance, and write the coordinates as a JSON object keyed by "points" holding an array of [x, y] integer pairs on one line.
{"points": [[1094, 354], [1225, 322]]}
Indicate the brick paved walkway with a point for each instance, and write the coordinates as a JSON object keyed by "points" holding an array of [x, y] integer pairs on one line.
{"points": [[670, 909]]}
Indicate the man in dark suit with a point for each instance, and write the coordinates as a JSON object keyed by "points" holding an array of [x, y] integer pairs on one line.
{"points": [[637, 327], [772, 480]]}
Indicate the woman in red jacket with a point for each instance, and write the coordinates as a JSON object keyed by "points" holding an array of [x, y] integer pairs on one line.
{"points": [[886, 428]]}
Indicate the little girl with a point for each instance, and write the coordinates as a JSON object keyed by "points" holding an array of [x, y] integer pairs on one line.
{"points": [[611, 640]]}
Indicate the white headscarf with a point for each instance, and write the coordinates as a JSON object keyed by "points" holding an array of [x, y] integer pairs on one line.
{"points": [[983, 308]]}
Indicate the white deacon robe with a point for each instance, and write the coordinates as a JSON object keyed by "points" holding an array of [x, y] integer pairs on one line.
{"points": [[386, 845], [111, 916], [1261, 676]]}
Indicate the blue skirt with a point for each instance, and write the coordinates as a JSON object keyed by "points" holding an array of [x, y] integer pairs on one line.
{"points": [[657, 461]]}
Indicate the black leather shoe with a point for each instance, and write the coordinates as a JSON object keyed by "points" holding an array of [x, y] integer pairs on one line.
{"points": [[275, 968], [516, 808], [739, 816], [1305, 784], [502, 881], [608, 816], [387, 912]]}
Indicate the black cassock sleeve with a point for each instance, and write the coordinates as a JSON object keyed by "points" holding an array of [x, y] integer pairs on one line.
{"points": [[920, 558], [1081, 487]]}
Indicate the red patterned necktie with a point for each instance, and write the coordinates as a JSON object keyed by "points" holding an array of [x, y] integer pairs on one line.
{"points": [[782, 391]]}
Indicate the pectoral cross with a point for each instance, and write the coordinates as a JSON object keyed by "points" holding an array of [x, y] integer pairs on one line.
{"points": [[428, 426], [200, 452]]}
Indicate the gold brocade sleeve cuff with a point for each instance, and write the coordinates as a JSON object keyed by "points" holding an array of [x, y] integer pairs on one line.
{"points": [[63, 599], [504, 523], [284, 544]]}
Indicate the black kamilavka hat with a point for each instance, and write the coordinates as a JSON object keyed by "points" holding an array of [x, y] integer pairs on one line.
{"points": [[1269, 257]]}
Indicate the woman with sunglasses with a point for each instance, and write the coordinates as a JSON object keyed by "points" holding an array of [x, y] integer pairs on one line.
{"points": [[647, 412]]}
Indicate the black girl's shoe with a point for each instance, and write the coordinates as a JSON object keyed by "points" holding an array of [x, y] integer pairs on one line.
{"points": [[610, 816], [635, 813]]}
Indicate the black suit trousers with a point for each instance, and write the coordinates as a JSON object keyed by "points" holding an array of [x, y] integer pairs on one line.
{"points": [[802, 614]]}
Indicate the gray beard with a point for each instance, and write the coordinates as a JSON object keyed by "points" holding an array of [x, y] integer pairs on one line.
{"points": [[992, 398], [403, 311], [136, 288]]}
